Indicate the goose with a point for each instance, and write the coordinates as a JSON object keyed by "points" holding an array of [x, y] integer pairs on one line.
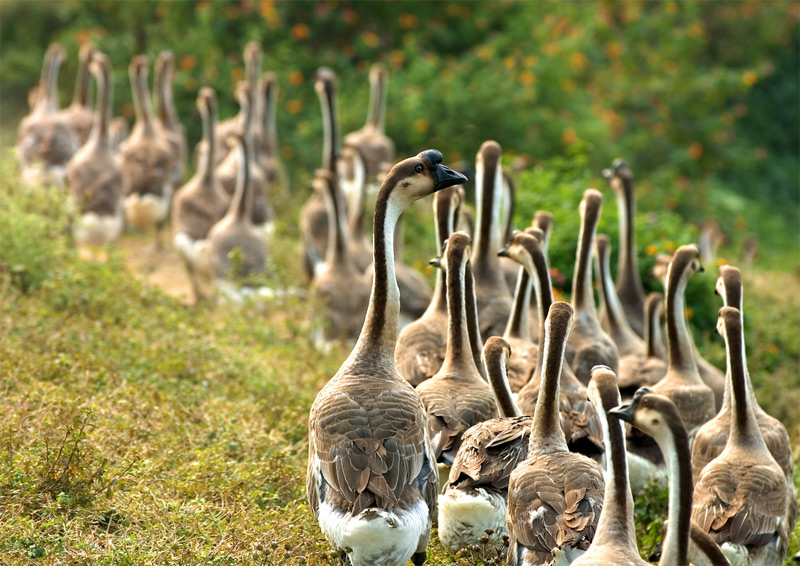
{"points": [[742, 499], [339, 286], [45, 141], [629, 281], [360, 247], [749, 251], [147, 161], [421, 344], [637, 371], [372, 478], [371, 140], [199, 204], [628, 342], [313, 215], [589, 345], [511, 269], [118, 131], [710, 239], [684, 542], [554, 496], [614, 540], [579, 420], [79, 114], [274, 170], [457, 396], [167, 120], [494, 297], [235, 233], [252, 55], [227, 170], [543, 221], [711, 438], [93, 174], [473, 501]]}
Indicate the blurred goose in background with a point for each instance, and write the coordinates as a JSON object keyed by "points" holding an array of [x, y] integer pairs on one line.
{"points": [[458, 396], [274, 170], [494, 297], [645, 370], [589, 345], [473, 501], [710, 239], [554, 496], [421, 344], [629, 281], [238, 250], [45, 140], [372, 480], [199, 204], [79, 114], [510, 268], [167, 121], [94, 175], [118, 131], [338, 284], [146, 161], [252, 55], [542, 221]]}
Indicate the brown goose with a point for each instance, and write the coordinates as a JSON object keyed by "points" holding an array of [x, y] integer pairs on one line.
{"points": [[494, 298], [118, 131], [227, 170], [373, 143], [338, 286], [458, 396], [372, 478], [711, 237], [589, 345], [579, 420], [79, 114], [511, 269], [474, 498], [93, 174], [313, 215], [359, 244], [742, 498], [235, 234], [45, 141], [712, 436], [646, 369], [199, 204], [542, 221], [614, 541], [628, 342], [252, 55], [167, 121], [554, 496], [629, 281], [274, 170], [421, 344], [684, 542], [147, 161]]}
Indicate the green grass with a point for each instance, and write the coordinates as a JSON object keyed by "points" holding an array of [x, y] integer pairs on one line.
{"points": [[136, 430]]}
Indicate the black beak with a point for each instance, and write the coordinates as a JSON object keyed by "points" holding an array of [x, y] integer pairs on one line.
{"points": [[702, 269], [623, 412], [446, 177], [435, 261], [503, 252], [607, 173]]}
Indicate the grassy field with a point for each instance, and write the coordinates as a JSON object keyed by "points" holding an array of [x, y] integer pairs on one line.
{"points": [[136, 429]]}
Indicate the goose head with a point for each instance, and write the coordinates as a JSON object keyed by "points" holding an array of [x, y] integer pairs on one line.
{"points": [[653, 414], [602, 389], [521, 246], [729, 285], [619, 175], [457, 248], [418, 177], [728, 321], [686, 259], [496, 351]]}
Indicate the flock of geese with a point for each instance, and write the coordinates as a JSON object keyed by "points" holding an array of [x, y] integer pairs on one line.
{"points": [[486, 412]]}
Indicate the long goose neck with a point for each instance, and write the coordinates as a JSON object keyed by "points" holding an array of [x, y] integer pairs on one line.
{"points": [[496, 369], [475, 339], [732, 297], [356, 218], [160, 88], [376, 118], [270, 140], [519, 325], [616, 521], [102, 117], [42, 100], [330, 143], [675, 546], [241, 206], [614, 311], [628, 279], [445, 214], [337, 253], [681, 347], [49, 96], [547, 429], [379, 333], [170, 112], [141, 101], [509, 197], [488, 180], [208, 115], [81, 94], [744, 428], [458, 351], [582, 295], [539, 272], [652, 327]]}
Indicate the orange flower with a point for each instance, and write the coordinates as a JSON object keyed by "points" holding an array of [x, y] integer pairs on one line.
{"points": [[237, 74], [82, 36], [670, 246], [578, 60], [527, 78], [772, 349], [294, 106], [295, 78], [421, 124], [371, 39], [721, 261], [509, 62], [485, 52], [688, 313], [651, 250], [750, 78], [568, 136], [268, 12], [188, 62], [349, 16], [300, 32], [397, 58], [614, 50], [695, 150], [408, 21]]}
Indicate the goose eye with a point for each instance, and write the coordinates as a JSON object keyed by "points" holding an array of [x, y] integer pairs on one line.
{"points": [[418, 168]]}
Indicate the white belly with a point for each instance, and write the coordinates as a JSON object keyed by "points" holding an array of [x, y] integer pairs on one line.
{"points": [[464, 517], [38, 173], [147, 210], [92, 229], [376, 537]]}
